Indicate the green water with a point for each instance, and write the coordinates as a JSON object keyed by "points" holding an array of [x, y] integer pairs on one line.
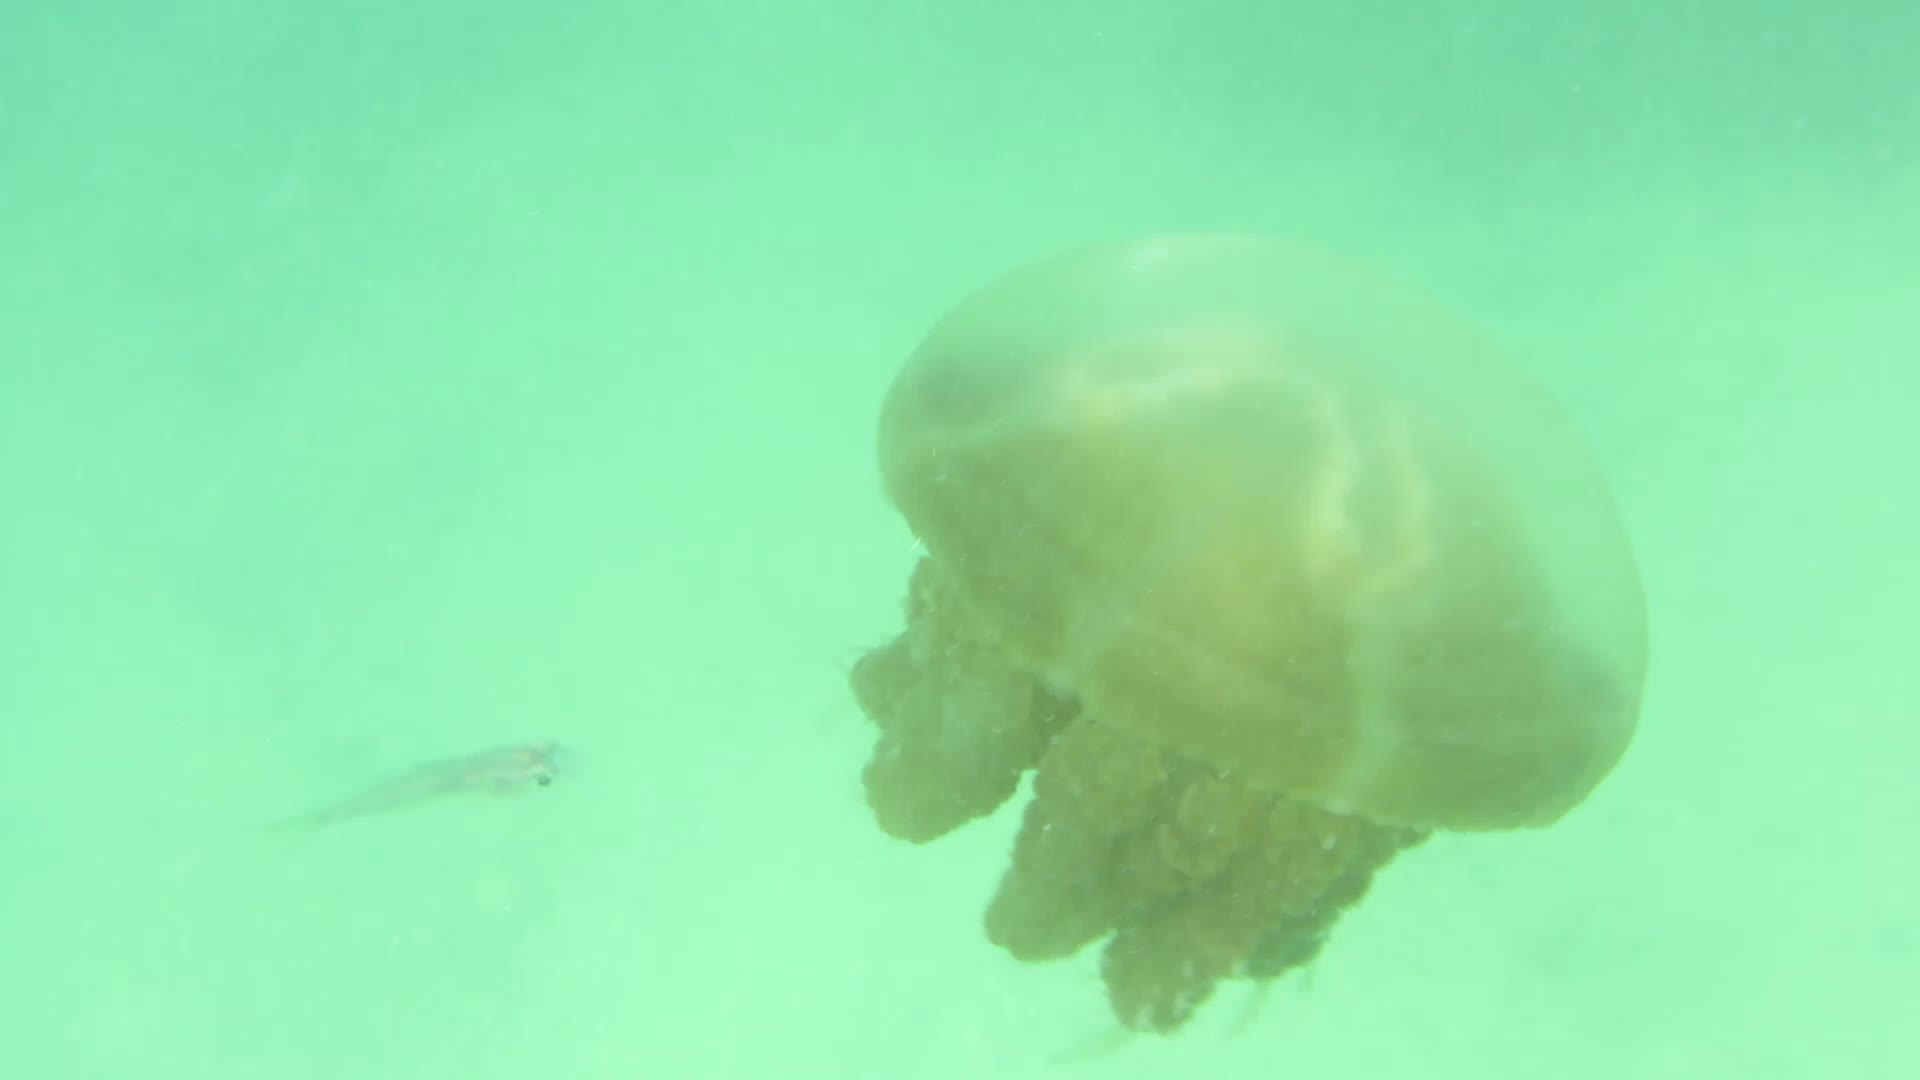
{"points": [[386, 381]]}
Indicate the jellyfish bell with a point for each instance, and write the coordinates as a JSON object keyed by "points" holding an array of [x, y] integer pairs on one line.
{"points": [[1265, 567]]}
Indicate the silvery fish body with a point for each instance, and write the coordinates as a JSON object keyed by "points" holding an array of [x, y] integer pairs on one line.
{"points": [[502, 770]]}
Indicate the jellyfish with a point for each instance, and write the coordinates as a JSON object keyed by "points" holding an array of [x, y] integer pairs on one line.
{"points": [[1263, 568]]}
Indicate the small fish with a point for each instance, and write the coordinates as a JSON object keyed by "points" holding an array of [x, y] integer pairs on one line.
{"points": [[503, 770]]}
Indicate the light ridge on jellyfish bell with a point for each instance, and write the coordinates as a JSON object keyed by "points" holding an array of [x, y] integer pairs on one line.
{"points": [[1265, 569]]}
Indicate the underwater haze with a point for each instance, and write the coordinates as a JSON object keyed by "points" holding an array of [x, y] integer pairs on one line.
{"points": [[389, 390]]}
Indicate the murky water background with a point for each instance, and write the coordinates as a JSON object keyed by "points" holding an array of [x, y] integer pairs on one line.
{"points": [[381, 382]]}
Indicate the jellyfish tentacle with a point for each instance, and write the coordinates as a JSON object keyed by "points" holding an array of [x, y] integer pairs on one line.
{"points": [[959, 722], [1093, 790]]}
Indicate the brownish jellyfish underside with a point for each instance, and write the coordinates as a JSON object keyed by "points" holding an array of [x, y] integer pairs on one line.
{"points": [[1192, 875]]}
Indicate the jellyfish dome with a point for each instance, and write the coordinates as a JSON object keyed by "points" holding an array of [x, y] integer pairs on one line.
{"points": [[1265, 569]]}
